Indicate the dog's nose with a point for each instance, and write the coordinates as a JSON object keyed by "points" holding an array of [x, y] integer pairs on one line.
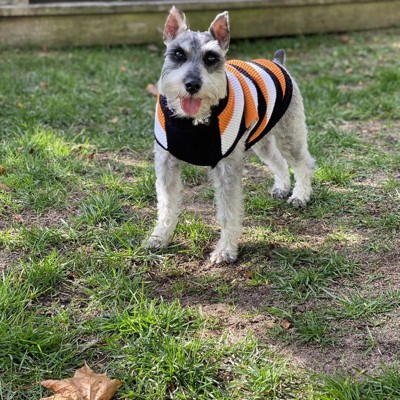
{"points": [[193, 85]]}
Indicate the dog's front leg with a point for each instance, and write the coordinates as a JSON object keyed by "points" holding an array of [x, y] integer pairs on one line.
{"points": [[168, 187], [227, 176]]}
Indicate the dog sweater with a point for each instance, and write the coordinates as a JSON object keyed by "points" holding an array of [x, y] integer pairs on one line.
{"points": [[258, 94]]}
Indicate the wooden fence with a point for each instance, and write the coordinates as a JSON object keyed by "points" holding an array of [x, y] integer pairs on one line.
{"points": [[43, 23]]}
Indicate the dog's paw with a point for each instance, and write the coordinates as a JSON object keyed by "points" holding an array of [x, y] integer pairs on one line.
{"points": [[297, 202], [221, 256], [279, 193], [154, 242]]}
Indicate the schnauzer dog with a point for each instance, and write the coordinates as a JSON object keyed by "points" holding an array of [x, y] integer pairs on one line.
{"points": [[209, 112]]}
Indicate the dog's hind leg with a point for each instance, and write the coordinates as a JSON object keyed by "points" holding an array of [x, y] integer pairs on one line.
{"points": [[268, 152], [291, 139], [303, 167], [227, 176], [168, 187]]}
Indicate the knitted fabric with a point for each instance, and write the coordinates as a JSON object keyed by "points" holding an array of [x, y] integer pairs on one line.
{"points": [[258, 94]]}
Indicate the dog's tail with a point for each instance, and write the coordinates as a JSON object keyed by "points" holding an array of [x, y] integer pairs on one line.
{"points": [[280, 56]]}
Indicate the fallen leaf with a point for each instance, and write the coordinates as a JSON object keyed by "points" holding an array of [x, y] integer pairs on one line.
{"points": [[270, 324], [43, 85], [5, 187], [285, 324], [114, 120], [84, 385], [152, 89], [249, 274], [57, 397], [344, 38], [2, 170], [349, 70], [18, 218]]}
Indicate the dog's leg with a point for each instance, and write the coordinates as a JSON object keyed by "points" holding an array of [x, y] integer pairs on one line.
{"points": [[268, 152], [227, 177], [168, 187], [291, 139], [303, 167]]}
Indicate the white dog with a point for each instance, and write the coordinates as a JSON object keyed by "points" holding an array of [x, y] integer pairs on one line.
{"points": [[210, 112]]}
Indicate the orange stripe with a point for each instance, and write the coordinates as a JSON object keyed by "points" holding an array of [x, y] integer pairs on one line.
{"points": [[250, 109], [225, 116], [160, 114], [275, 70], [259, 130], [261, 84]]}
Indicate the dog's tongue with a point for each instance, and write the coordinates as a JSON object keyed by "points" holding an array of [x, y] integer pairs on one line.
{"points": [[191, 105]]}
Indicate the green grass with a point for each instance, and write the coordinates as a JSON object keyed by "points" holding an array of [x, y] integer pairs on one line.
{"points": [[385, 385], [78, 198]]}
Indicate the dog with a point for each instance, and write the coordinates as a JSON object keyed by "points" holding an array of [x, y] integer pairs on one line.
{"points": [[209, 112]]}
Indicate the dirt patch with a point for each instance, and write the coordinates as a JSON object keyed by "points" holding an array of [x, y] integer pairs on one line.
{"points": [[7, 258], [128, 158], [28, 218], [384, 134]]}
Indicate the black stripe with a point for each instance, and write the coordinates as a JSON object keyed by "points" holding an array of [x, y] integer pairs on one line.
{"points": [[289, 90]]}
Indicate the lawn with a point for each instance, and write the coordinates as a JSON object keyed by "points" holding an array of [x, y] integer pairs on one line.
{"points": [[311, 308]]}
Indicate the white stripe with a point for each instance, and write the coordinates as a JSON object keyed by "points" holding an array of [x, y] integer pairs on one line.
{"points": [[253, 90], [159, 132], [230, 134], [271, 89]]}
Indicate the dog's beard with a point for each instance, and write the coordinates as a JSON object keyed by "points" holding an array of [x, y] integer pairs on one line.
{"points": [[199, 105]]}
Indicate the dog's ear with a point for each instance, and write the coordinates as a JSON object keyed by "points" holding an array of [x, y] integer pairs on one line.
{"points": [[219, 30], [175, 24]]}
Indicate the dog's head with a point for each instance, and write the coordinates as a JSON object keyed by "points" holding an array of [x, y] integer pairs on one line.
{"points": [[193, 77]]}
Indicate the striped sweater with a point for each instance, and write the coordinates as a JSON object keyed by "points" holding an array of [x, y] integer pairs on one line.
{"points": [[258, 94]]}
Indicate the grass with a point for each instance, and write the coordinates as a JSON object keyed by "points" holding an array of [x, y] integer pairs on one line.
{"points": [[77, 199]]}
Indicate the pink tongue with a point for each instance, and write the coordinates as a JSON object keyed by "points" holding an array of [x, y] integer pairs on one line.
{"points": [[190, 105]]}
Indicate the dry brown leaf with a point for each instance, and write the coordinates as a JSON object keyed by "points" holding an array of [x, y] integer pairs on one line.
{"points": [[18, 218], [270, 324], [285, 324], [2, 170], [85, 385], [5, 187], [152, 89], [43, 85], [344, 38]]}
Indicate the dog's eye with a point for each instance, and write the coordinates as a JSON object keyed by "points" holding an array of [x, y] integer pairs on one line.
{"points": [[210, 58], [179, 55]]}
